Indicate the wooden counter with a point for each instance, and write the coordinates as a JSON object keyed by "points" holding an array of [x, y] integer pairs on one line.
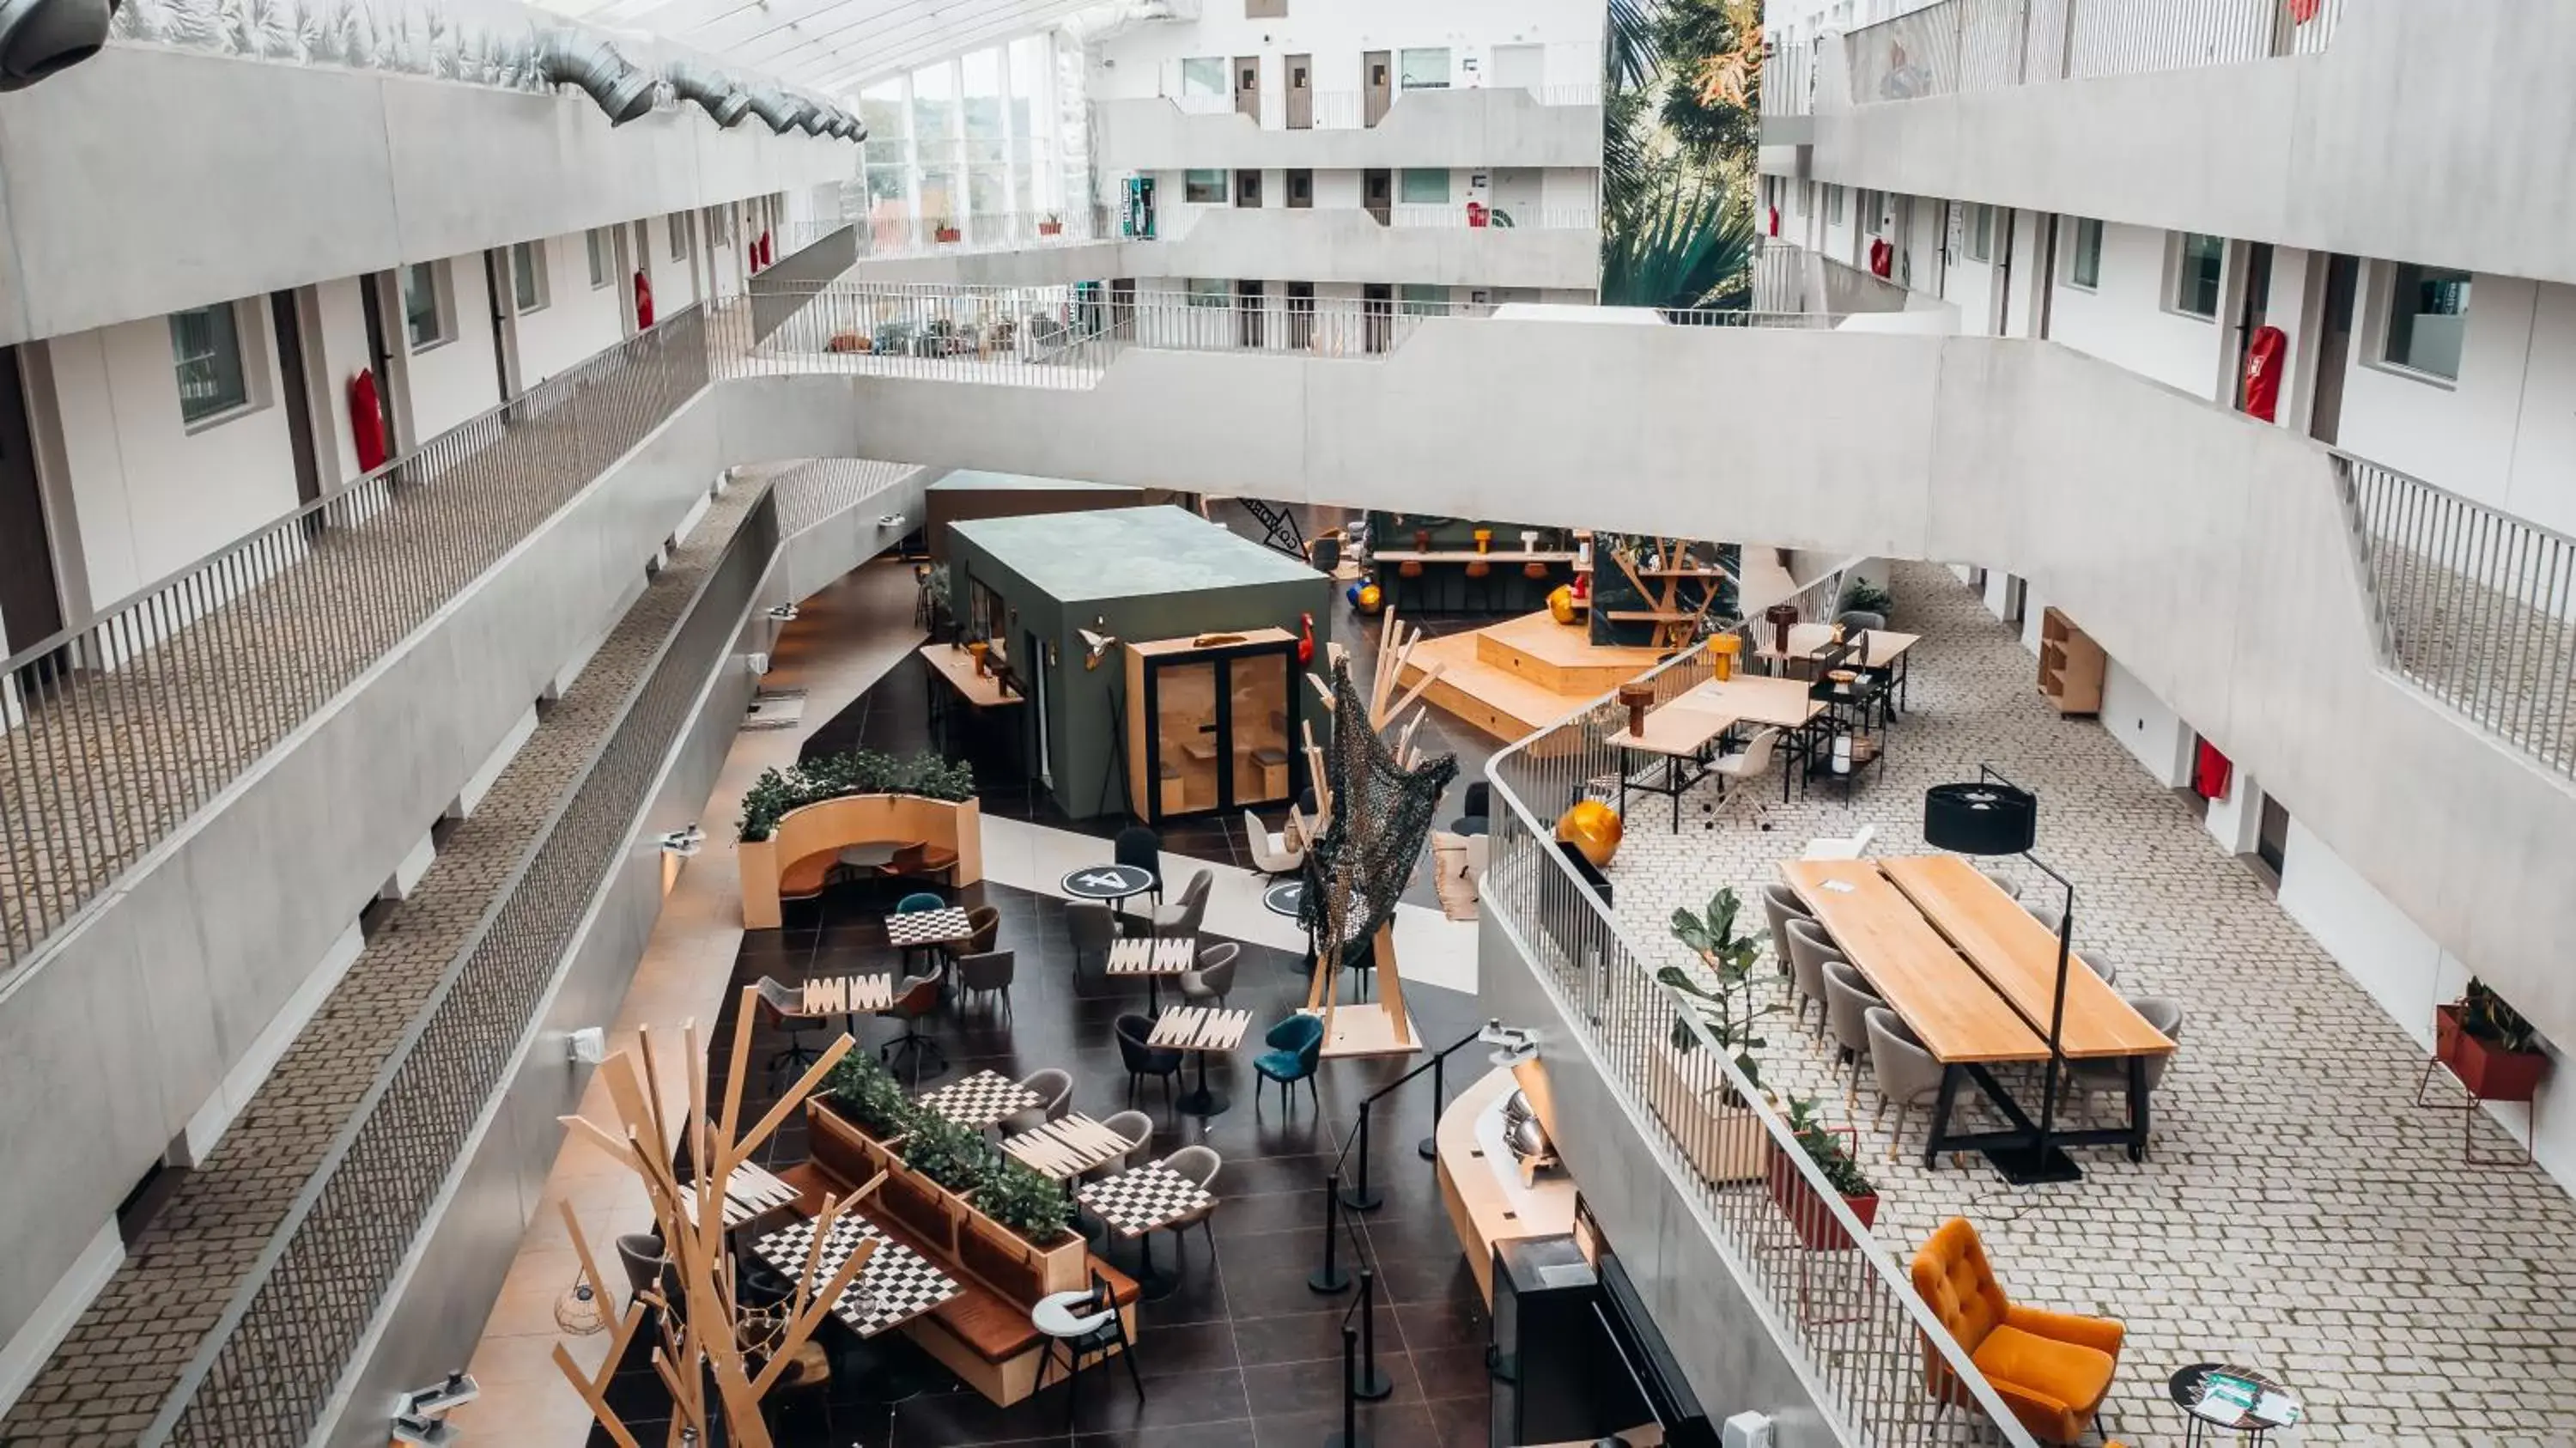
{"points": [[1480, 1181], [957, 666]]}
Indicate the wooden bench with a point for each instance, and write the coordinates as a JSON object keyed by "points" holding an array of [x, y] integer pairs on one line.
{"points": [[983, 1334], [806, 878]]}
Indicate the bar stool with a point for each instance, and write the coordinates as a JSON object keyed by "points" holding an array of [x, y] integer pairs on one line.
{"points": [[1082, 1321], [1410, 568], [1480, 574]]}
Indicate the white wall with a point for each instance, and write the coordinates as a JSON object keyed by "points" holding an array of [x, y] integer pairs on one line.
{"points": [[1146, 60], [341, 350], [458, 378], [2125, 319], [2505, 432], [578, 319], [152, 495], [2145, 727]]}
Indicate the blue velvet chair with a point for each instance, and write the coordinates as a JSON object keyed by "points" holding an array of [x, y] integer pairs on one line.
{"points": [[918, 901], [1296, 1046]]}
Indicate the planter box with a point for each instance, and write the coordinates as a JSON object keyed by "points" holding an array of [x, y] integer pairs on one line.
{"points": [[2490, 1072], [1722, 1143], [1051, 228], [922, 1206], [948, 234], [1015, 1269], [1809, 1217], [856, 819]]}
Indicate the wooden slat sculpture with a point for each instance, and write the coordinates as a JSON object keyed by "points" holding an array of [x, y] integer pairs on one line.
{"points": [[701, 1356]]}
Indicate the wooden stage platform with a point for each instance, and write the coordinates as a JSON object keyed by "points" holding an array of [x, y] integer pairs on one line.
{"points": [[1522, 674]]}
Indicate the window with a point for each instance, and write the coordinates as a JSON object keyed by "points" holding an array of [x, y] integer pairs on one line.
{"points": [[1422, 301], [528, 276], [1207, 293], [1247, 188], [1422, 69], [205, 349], [2084, 259], [424, 317], [1422, 186], [1874, 210], [1203, 187], [1833, 204], [2428, 317], [1981, 233], [678, 222], [603, 257], [1204, 76], [719, 227], [2198, 261]]}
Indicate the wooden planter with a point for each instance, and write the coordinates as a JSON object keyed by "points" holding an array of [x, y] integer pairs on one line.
{"points": [[1016, 1268], [1685, 1089], [948, 234], [1809, 1217], [2490, 1072], [857, 819], [1051, 228]]}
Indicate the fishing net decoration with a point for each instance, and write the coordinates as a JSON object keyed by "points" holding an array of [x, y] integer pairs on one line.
{"points": [[1382, 816]]}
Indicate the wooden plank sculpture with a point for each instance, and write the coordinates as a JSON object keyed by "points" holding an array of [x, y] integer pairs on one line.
{"points": [[1676, 623], [1376, 828], [702, 1357]]}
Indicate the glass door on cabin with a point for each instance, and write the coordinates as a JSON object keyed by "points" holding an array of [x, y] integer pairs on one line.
{"points": [[1188, 758], [1257, 693]]}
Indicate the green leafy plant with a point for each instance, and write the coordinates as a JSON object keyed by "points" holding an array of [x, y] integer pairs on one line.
{"points": [[861, 771], [1689, 247], [866, 1092], [947, 1153], [1863, 596], [2492, 1019], [1026, 1203], [1827, 1148], [1730, 1010]]}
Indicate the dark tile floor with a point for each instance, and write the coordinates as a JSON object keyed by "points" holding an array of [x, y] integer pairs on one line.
{"points": [[1244, 1352]]}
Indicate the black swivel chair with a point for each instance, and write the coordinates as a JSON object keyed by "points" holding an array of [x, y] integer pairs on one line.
{"points": [[1145, 1060], [1473, 820], [1140, 846]]}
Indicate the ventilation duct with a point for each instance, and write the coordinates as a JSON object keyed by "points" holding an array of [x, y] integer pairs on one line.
{"points": [[621, 89], [817, 120], [719, 97], [39, 37], [777, 110]]}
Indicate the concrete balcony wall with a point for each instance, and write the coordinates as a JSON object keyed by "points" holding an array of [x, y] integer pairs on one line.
{"points": [[2395, 142], [1500, 126], [110, 160], [2205, 551], [1275, 243], [227, 921]]}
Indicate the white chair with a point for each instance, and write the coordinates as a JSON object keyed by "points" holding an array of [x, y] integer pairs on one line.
{"points": [[1753, 761], [1836, 847], [1272, 854]]}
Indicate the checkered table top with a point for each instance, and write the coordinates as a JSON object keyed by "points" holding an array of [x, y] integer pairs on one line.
{"points": [[980, 1100], [1200, 1028], [896, 1286], [928, 927], [833, 995], [1150, 1196], [1140, 956]]}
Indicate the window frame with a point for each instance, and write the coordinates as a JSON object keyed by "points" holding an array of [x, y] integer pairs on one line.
{"points": [[1195, 178], [1194, 84], [2180, 274], [531, 255], [677, 223], [1872, 213], [2391, 283], [1404, 175], [1448, 68], [442, 312], [1211, 293], [248, 400], [1409, 301], [599, 248], [1981, 232], [2075, 257], [1833, 203]]}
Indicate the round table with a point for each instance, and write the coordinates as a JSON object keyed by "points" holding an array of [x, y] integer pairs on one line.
{"points": [[869, 857], [1107, 883], [1285, 898], [2202, 1422]]}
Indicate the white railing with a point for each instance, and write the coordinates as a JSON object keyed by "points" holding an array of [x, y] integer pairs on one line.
{"points": [[1347, 110], [1789, 80], [1883, 1367], [898, 236], [1789, 279], [1452, 215], [1966, 46], [2476, 606]]}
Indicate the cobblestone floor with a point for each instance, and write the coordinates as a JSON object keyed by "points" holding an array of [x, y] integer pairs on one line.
{"points": [[2298, 1212], [110, 1375]]}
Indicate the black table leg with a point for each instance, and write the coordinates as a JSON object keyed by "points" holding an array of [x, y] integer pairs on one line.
{"points": [[1152, 1283], [1941, 1117], [2138, 1108], [1203, 1102], [1673, 782]]}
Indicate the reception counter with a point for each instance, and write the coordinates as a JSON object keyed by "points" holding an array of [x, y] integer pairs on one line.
{"points": [[1480, 1180]]}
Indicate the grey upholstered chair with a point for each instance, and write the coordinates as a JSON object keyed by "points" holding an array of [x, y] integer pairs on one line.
{"points": [[2003, 882], [2048, 915], [1847, 1002], [641, 1254], [2103, 966], [1200, 1164], [1214, 978], [1780, 905], [987, 973], [2162, 1012], [1095, 929], [1179, 920], [1854, 620], [1809, 949], [1907, 1075], [1138, 1130], [1054, 1087]]}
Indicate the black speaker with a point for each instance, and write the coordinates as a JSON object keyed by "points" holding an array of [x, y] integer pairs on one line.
{"points": [[1980, 818]]}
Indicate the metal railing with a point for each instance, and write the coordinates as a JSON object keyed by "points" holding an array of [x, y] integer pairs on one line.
{"points": [[267, 1371], [1494, 216], [2476, 606], [1789, 80], [113, 732], [1965, 46], [1347, 110], [1885, 1368], [897, 236], [1789, 278]]}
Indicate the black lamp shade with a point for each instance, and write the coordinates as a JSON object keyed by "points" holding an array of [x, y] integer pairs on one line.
{"points": [[1980, 819]]}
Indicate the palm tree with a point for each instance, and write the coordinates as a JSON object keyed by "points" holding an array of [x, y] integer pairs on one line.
{"points": [[1689, 247]]}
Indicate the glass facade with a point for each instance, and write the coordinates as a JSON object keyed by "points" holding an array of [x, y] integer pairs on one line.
{"points": [[979, 144]]}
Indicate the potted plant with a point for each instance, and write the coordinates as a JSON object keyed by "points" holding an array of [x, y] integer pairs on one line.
{"points": [[1696, 1099], [1729, 1009], [1020, 1238], [946, 233], [1829, 1147], [2485, 1042], [865, 1094], [1050, 225], [1863, 596]]}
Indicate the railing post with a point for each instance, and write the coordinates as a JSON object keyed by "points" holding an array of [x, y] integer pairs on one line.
{"points": [[1330, 1277], [1429, 1147], [1350, 1436], [1369, 1382], [1361, 1197]]}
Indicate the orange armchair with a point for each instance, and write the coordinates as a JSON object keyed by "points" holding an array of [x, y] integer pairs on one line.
{"points": [[2051, 1368]]}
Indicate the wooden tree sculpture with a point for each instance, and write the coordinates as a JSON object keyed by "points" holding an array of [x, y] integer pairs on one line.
{"points": [[1677, 622], [1378, 797], [702, 1333]]}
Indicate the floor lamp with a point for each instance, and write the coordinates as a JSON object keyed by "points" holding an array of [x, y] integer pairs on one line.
{"points": [[1994, 816]]}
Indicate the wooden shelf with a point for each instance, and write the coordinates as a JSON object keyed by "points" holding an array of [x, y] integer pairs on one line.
{"points": [[2070, 666]]}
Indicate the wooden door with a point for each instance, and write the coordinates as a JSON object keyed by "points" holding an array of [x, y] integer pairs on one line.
{"points": [[1377, 194], [1301, 92], [295, 391], [1301, 190], [1377, 86], [31, 605], [1247, 87]]}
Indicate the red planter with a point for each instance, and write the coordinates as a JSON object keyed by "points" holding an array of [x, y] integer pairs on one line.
{"points": [[1809, 1217], [1050, 228], [948, 234], [2490, 1072]]}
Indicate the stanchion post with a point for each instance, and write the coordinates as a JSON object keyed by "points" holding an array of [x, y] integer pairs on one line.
{"points": [[1350, 1436], [1369, 1383], [1330, 1277], [1361, 1197], [1428, 1146]]}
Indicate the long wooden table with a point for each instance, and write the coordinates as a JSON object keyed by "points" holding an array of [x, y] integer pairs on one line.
{"points": [[1977, 989]]}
